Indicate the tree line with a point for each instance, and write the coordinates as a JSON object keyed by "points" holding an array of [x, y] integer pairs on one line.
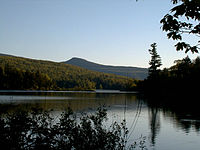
{"points": [[15, 78], [181, 78], [27, 74]]}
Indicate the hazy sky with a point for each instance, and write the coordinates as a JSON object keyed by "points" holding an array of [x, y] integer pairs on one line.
{"points": [[115, 32]]}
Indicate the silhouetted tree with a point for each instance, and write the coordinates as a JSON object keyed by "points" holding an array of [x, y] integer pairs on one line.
{"points": [[184, 18], [183, 67], [155, 61]]}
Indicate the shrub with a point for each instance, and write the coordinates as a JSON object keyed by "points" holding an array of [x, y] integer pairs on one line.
{"points": [[38, 130]]}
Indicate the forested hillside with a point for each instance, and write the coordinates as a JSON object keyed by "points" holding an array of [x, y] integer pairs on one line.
{"points": [[131, 72], [23, 73]]}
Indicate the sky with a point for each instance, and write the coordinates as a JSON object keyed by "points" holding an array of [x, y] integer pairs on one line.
{"points": [[111, 32]]}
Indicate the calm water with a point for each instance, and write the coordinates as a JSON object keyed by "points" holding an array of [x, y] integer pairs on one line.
{"points": [[163, 128]]}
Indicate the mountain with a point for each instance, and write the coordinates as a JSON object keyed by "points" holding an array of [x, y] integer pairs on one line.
{"points": [[19, 71], [132, 72], [6, 55]]}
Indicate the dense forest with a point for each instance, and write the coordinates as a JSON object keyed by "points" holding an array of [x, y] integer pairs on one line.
{"points": [[180, 79], [15, 78], [29, 74]]}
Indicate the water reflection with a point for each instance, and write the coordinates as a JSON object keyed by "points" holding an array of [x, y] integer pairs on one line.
{"points": [[154, 123], [183, 112], [60, 101], [158, 119], [184, 120]]}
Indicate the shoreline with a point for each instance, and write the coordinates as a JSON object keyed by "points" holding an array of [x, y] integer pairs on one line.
{"points": [[52, 91]]}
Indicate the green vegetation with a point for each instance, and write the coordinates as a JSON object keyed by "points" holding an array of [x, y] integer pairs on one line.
{"points": [[13, 79], [22, 73]]}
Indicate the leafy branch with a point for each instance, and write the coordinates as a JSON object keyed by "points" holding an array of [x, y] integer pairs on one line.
{"points": [[172, 24]]}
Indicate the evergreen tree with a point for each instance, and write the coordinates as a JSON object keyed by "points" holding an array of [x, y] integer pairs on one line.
{"points": [[155, 61]]}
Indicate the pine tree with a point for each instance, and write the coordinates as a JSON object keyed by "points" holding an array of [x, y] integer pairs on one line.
{"points": [[155, 62]]}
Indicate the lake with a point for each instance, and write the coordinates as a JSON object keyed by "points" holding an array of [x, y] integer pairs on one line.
{"points": [[163, 128]]}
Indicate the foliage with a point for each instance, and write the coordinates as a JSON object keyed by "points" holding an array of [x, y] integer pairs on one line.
{"points": [[155, 61], [182, 78], [59, 76], [12, 79], [183, 19], [38, 130]]}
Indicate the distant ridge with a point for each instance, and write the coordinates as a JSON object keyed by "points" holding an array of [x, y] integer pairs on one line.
{"points": [[6, 55], [132, 72]]}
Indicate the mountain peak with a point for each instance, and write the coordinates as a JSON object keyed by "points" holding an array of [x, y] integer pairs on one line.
{"points": [[76, 58], [132, 72]]}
